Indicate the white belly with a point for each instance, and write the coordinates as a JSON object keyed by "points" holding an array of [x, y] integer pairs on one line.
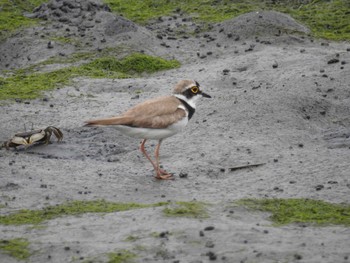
{"points": [[149, 133]]}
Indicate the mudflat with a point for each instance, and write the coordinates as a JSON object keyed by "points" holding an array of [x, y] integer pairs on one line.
{"points": [[280, 103]]}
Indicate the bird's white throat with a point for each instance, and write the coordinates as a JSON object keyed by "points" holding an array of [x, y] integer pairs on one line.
{"points": [[191, 101]]}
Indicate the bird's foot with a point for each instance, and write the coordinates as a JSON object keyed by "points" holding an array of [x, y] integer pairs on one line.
{"points": [[163, 175], [161, 171]]}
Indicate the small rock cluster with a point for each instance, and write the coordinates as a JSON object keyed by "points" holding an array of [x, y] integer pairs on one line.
{"points": [[69, 11], [84, 15]]}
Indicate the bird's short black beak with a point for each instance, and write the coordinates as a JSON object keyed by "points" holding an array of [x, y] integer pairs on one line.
{"points": [[205, 95]]}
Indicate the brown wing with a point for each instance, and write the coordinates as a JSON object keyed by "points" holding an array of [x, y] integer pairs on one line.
{"points": [[109, 121], [160, 121], [155, 113]]}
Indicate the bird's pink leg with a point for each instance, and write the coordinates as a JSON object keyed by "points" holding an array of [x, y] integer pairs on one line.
{"points": [[143, 150], [161, 174]]}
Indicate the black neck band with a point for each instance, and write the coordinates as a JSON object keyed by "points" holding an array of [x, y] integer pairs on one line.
{"points": [[189, 108]]}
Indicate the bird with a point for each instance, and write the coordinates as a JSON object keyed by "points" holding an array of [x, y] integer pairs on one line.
{"points": [[157, 119]]}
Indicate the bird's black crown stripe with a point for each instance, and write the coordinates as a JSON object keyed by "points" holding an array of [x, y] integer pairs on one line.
{"points": [[189, 108]]}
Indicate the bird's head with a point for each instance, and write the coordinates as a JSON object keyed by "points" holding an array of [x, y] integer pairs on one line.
{"points": [[189, 91]]}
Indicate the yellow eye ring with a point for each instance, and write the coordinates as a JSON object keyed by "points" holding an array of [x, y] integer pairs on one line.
{"points": [[195, 90]]}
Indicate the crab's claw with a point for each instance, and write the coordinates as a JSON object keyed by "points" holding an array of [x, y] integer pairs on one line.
{"points": [[57, 132], [36, 137], [18, 141]]}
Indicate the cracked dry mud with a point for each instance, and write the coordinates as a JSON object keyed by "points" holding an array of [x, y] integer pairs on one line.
{"points": [[276, 100]]}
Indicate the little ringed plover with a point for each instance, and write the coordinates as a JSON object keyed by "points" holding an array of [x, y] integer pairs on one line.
{"points": [[157, 119]]}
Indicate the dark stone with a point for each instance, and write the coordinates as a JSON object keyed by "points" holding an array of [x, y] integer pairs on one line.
{"points": [[225, 71], [251, 48], [319, 187], [211, 255], [164, 234], [183, 175], [209, 228], [50, 44], [333, 60], [332, 182]]}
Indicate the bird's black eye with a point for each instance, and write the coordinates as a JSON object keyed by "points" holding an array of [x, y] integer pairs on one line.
{"points": [[194, 89]]}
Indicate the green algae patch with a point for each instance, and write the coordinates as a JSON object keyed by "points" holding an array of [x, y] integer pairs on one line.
{"points": [[30, 86], [17, 248], [141, 11], [11, 14], [132, 238], [25, 84], [132, 65], [288, 211], [73, 208], [326, 19], [192, 209], [122, 256]]}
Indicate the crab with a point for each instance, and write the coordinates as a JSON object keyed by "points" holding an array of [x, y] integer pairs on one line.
{"points": [[31, 137]]}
